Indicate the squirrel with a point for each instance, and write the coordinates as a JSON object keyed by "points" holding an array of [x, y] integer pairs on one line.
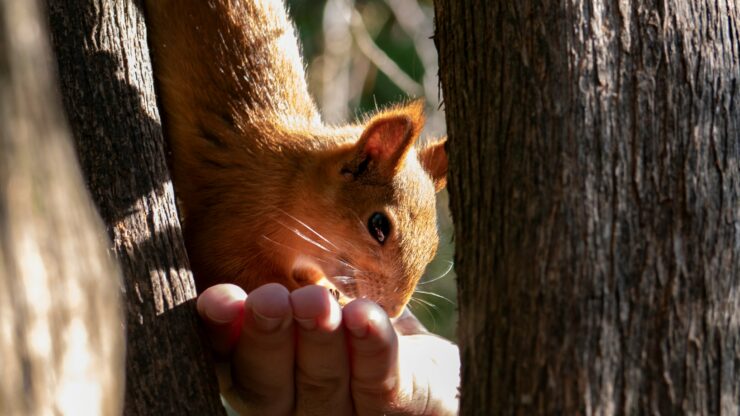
{"points": [[268, 192]]}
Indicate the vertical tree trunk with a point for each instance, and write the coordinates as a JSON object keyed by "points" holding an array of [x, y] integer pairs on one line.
{"points": [[595, 186], [61, 344], [107, 87]]}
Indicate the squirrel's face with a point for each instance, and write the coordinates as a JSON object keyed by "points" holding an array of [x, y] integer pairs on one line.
{"points": [[369, 217]]}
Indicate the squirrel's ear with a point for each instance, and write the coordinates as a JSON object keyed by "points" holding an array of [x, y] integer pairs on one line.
{"points": [[433, 158], [387, 138]]}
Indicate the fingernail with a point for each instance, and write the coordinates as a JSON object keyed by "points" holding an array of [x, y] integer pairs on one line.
{"points": [[225, 314], [220, 320], [307, 324], [358, 332], [267, 324]]}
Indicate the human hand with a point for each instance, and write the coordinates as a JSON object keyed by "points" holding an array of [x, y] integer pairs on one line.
{"points": [[301, 353]]}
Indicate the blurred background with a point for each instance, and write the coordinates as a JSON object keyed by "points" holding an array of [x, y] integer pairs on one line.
{"points": [[362, 55]]}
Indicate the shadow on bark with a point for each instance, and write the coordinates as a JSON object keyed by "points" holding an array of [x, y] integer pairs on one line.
{"points": [[108, 94]]}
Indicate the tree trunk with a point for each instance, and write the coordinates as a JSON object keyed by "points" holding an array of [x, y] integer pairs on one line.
{"points": [[595, 186], [108, 92], [60, 316]]}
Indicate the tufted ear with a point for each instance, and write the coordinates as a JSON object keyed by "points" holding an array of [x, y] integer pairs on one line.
{"points": [[433, 158], [386, 140]]}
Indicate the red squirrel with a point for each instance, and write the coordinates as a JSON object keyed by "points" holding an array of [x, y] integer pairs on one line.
{"points": [[268, 192]]}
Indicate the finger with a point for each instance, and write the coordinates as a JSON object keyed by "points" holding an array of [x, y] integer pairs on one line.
{"points": [[222, 309], [322, 367], [374, 363], [263, 359]]}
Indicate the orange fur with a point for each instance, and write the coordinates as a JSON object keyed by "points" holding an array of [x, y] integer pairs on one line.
{"points": [[268, 192]]}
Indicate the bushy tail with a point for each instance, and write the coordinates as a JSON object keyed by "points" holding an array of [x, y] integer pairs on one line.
{"points": [[239, 57]]}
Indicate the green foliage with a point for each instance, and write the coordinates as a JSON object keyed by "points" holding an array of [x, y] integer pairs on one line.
{"points": [[378, 89]]}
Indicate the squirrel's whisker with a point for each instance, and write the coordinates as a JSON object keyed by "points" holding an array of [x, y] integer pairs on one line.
{"points": [[351, 268], [319, 259], [436, 295], [304, 237], [316, 233], [348, 265], [344, 279], [428, 309], [426, 302], [308, 239], [442, 276]]}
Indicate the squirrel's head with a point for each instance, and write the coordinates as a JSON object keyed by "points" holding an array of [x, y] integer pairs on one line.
{"points": [[369, 212]]}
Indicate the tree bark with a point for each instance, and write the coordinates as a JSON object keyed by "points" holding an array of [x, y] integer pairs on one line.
{"points": [[60, 316], [108, 92], [595, 187]]}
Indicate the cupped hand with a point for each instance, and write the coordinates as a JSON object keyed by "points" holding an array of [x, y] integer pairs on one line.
{"points": [[300, 353]]}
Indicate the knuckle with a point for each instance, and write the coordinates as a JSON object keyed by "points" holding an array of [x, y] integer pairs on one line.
{"points": [[385, 387], [320, 379], [318, 395]]}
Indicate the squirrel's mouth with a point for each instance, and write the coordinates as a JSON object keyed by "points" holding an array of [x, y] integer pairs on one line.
{"points": [[343, 288], [338, 290], [307, 272], [345, 293]]}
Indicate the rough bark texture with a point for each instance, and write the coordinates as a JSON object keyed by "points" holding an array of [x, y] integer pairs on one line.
{"points": [[595, 185], [108, 93], [60, 316]]}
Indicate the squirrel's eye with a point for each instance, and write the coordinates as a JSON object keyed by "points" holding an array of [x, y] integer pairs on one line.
{"points": [[379, 227]]}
